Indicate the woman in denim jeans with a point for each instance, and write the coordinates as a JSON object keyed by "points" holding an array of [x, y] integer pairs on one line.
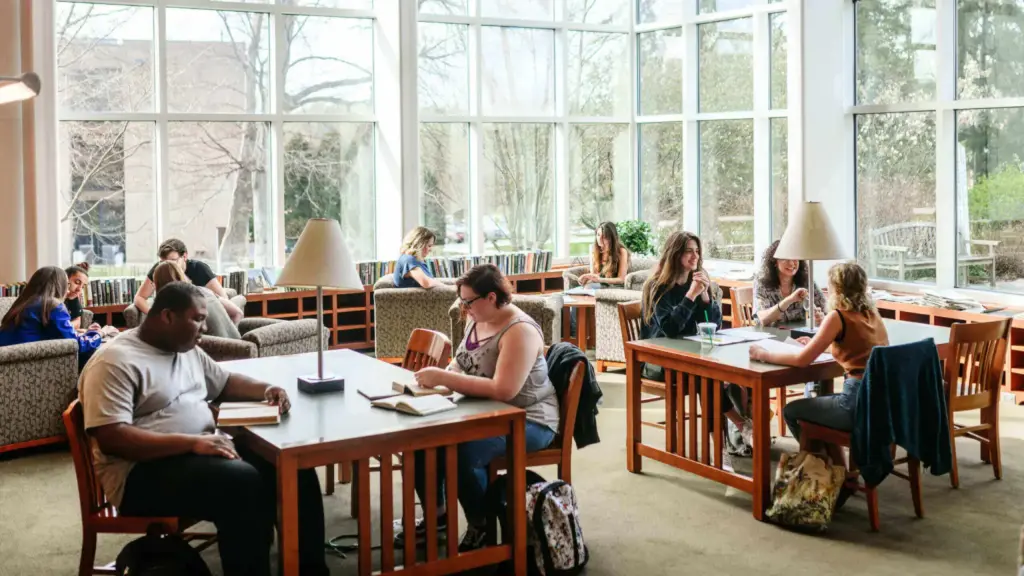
{"points": [[852, 328], [500, 358]]}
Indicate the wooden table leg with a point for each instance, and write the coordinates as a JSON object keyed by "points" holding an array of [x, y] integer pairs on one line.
{"points": [[582, 328], [670, 411], [517, 496], [288, 514], [762, 452], [566, 324], [361, 494], [632, 412]]}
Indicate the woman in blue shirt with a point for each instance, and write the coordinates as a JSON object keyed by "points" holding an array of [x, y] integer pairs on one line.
{"points": [[411, 270], [39, 314]]}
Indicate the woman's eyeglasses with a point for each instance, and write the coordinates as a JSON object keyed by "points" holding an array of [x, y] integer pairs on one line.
{"points": [[467, 303]]}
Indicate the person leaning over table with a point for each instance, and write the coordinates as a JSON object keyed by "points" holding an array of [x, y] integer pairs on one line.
{"points": [[145, 397], [39, 314], [500, 358], [198, 272], [675, 298], [779, 294], [411, 270], [852, 328], [78, 277]]}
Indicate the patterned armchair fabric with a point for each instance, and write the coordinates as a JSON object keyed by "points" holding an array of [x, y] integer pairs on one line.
{"points": [[398, 311], [87, 318], [37, 382], [262, 337], [571, 276], [545, 310], [133, 318]]}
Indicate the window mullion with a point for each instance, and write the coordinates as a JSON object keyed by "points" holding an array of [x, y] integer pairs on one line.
{"points": [[162, 200], [947, 232]]}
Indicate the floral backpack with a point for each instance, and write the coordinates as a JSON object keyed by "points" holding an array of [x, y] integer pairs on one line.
{"points": [[805, 491]]}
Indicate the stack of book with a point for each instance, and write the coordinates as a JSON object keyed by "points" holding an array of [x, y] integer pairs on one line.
{"points": [[11, 290], [110, 291], [237, 281], [371, 271]]}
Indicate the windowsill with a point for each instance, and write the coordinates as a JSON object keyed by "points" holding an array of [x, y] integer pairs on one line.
{"points": [[983, 296]]}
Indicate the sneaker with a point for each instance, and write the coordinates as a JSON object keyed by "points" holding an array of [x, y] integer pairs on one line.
{"points": [[727, 461], [747, 432], [421, 530], [473, 539]]}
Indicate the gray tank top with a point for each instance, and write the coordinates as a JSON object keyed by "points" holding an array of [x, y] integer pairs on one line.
{"points": [[537, 396]]}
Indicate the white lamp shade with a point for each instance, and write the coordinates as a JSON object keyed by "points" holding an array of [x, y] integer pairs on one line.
{"points": [[17, 89], [321, 258], [809, 236]]}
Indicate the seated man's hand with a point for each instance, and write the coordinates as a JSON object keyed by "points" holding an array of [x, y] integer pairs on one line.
{"points": [[277, 396], [215, 445]]}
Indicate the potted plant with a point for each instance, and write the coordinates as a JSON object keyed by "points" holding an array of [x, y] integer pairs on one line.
{"points": [[636, 236]]}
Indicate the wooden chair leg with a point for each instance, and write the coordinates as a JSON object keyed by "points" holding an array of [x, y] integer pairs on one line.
{"points": [[329, 489], [872, 495], [353, 501], [780, 405], [88, 558], [984, 451], [565, 471], [993, 445], [954, 472], [914, 466], [345, 472]]}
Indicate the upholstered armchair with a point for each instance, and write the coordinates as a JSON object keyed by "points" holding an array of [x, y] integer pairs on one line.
{"points": [[399, 311], [262, 337], [133, 318], [571, 276], [37, 382], [545, 310]]}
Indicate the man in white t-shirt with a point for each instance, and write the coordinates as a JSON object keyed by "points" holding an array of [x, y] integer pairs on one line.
{"points": [[145, 397]]}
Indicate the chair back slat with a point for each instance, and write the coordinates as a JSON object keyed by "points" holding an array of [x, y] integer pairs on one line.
{"points": [[629, 321], [975, 359], [426, 348], [742, 306], [568, 405], [90, 493]]}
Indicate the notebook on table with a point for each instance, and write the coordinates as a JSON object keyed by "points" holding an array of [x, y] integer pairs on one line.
{"points": [[416, 405], [247, 414], [399, 389], [792, 346]]}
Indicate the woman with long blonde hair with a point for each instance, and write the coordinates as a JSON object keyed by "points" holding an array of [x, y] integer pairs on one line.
{"points": [[411, 270], [676, 297], [852, 329]]}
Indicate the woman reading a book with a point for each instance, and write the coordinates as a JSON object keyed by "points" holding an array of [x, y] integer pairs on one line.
{"points": [[676, 297], [218, 323], [500, 358], [39, 314], [852, 329], [609, 259], [411, 270], [78, 277]]}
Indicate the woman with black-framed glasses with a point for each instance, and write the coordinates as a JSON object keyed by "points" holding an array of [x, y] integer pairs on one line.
{"points": [[500, 358]]}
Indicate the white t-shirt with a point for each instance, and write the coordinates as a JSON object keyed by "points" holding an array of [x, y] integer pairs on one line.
{"points": [[129, 381]]}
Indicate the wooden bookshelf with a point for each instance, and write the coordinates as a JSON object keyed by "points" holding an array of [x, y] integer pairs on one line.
{"points": [[348, 315]]}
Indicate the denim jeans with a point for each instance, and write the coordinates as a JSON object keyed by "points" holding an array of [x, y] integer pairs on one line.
{"points": [[474, 456], [834, 411]]}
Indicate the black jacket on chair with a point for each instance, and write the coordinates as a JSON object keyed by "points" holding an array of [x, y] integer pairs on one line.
{"points": [[562, 358]]}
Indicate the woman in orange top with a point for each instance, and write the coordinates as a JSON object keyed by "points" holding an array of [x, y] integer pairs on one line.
{"points": [[852, 329]]}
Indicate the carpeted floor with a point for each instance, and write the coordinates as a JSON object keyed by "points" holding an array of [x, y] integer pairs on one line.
{"points": [[663, 521]]}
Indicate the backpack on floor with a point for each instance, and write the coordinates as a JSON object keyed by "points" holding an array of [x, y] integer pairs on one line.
{"points": [[805, 491], [159, 554], [554, 535]]}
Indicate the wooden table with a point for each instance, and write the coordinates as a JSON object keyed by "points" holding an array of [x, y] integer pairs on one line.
{"points": [[338, 427], [585, 309], [691, 366]]}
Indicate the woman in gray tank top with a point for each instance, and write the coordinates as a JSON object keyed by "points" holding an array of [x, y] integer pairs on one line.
{"points": [[501, 358]]}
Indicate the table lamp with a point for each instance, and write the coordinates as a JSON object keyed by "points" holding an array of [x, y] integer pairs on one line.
{"points": [[809, 236], [19, 88], [320, 259]]}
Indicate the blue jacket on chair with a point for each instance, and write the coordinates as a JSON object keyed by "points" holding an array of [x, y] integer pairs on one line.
{"points": [[901, 400]]}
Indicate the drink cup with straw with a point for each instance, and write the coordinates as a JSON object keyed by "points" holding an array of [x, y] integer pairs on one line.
{"points": [[707, 328]]}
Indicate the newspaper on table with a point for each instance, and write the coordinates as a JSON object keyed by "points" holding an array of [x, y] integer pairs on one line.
{"points": [[792, 346]]}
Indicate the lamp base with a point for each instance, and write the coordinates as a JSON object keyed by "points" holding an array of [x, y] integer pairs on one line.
{"points": [[313, 384], [803, 331]]}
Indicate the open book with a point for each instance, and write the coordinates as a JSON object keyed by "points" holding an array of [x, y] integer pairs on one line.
{"points": [[400, 388], [416, 405], [247, 414]]}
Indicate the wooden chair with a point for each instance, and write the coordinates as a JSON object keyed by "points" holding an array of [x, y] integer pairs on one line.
{"points": [[972, 371], [630, 323], [425, 348], [100, 516], [835, 441], [742, 306], [560, 452]]}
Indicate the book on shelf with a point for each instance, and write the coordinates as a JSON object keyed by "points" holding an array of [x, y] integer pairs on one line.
{"points": [[247, 414], [416, 405], [11, 290], [110, 291]]}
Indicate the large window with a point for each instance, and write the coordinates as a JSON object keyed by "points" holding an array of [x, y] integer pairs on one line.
{"points": [[203, 137], [524, 129], [919, 114]]}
